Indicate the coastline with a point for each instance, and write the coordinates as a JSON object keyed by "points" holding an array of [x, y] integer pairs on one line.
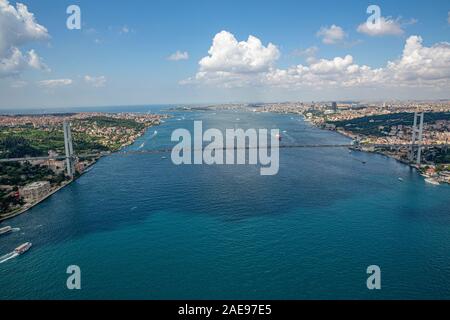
{"points": [[427, 178], [27, 207], [32, 205]]}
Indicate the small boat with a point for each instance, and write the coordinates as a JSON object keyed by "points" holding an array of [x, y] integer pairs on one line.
{"points": [[400, 179], [432, 181], [23, 248], [5, 230]]}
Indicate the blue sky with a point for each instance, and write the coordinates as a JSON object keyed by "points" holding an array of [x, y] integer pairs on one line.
{"points": [[120, 55]]}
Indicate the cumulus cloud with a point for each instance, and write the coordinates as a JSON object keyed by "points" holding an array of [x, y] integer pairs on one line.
{"points": [[228, 55], [96, 82], [18, 27], [387, 26], [55, 83], [336, 72], [419, 63], [177, 56], [231, 63], [418, 66], [332, 35]]}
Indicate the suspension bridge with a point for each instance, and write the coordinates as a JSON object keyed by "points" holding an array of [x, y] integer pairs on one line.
{"points": [[415, 148]]}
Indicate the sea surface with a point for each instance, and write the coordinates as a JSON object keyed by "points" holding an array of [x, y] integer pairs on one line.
{"points": [[140, 227]]}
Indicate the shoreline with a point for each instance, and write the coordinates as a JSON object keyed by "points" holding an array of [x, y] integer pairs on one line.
{"points": [[390, 156], [27, 208], [427, 178], [32, 205]]}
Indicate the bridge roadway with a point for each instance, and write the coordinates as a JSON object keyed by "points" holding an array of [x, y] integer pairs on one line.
{"points": [[168, 150]]}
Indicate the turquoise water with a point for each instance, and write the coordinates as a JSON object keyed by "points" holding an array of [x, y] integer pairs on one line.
{"points": [[140, 227]]}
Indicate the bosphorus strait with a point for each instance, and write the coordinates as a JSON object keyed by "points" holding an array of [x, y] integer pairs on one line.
{"points": [[139, 226]]}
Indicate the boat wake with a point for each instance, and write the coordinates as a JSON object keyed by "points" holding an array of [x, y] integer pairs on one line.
{"points": [[154, 134], [8, 256], [290, 138]]}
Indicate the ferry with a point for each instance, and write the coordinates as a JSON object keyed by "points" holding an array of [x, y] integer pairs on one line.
{"points": [[23, 248], [5, 230]]}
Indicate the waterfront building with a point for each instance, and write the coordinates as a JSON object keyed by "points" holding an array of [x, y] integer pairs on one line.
{"points": [[35, 191], [79, 167]]}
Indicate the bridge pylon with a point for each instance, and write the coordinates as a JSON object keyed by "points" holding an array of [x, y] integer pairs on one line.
{"points": [[68, 146], [417, 136]]}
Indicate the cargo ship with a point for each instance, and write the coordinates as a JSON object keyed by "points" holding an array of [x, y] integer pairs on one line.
{"points": [[5, 230], [23, 248]]}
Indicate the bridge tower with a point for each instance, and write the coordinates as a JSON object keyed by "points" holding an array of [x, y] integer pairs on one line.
{"points": [[417, 136], [68, 146]]}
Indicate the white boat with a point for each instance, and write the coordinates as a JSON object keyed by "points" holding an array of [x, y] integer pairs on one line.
{"points": [[432, 181], [23, 248], [5, 230]]}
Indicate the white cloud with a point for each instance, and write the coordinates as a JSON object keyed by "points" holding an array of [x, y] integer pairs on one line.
{"points": [[228, 55], [419, 66], [35, 61], [336, 72], [96, 82], [18, 27], [429, 65], [16, 62], [177, 56], [55, 83], [331, 35], [387, 26], [235, 64]]}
